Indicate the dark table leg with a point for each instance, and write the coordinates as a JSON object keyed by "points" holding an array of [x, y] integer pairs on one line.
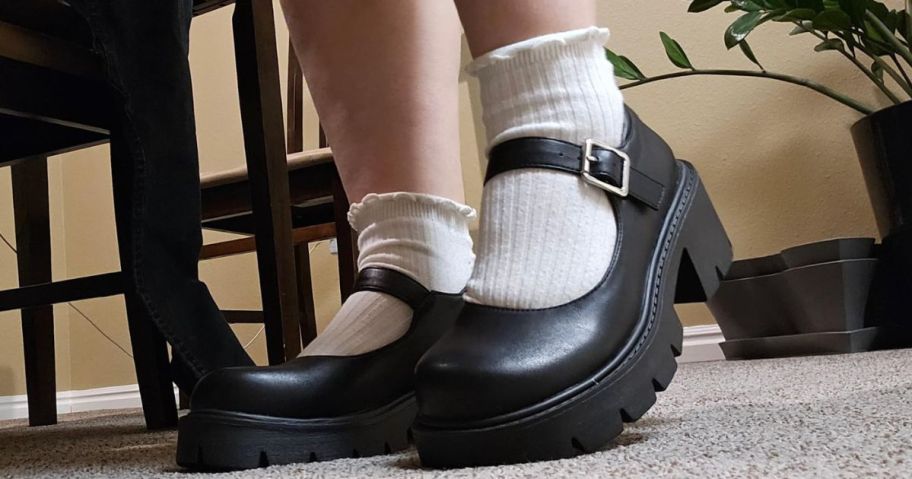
{"points": [[264, 141], [33, 241]]}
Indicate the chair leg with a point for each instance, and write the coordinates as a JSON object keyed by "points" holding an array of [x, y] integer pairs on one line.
{"points": [[150, 350], [150, 358], [264, 141], [345, 240], [305, 294], [33, 241]]}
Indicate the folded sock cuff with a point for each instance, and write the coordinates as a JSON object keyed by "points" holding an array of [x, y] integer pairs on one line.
{"points": [[541, 48], [423, 236]]}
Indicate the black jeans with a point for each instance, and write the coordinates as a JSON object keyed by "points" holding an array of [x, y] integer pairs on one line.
{"points": [[144, 44]]}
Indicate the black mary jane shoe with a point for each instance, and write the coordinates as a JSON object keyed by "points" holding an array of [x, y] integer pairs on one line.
{"points": [[506, 386], [317, 407]]}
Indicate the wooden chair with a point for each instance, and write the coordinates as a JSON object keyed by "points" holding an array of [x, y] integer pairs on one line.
{"points": [[51, 87], [53, 99]]}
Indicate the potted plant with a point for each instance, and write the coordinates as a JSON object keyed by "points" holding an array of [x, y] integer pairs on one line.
{"points": [[768, 306]]}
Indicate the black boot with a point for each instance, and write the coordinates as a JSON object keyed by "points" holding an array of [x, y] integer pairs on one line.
{"points": [[506, 386], [317, 407]]}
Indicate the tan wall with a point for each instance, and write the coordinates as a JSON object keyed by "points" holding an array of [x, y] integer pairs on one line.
{"points": [[777, 159]]}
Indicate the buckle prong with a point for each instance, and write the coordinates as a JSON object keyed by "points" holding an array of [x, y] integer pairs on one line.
{"points": [[588, 158]]}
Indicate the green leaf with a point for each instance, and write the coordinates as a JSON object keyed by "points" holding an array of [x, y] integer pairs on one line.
{"points": [[873, 33], [774, 4], [854, 9], [675, 52], [880, 11], [877, 70], [816, 5], [797, 15], [732, 8], [831, 44], [873, 44], [803, 27], [832, 20], [739, 30], [702, 5], [908, 22], [850, 42], [623, 67], [749, 53], [747, 5]]}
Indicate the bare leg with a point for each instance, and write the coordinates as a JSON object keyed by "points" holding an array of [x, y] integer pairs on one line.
{"points": [[383, 77], [493, 24]]}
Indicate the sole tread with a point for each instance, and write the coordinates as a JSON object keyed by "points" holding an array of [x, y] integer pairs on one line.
{"points": [[228, 441]]}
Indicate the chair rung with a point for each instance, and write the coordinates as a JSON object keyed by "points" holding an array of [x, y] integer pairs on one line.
{"points": [[97, 286], [303, 235], [243, 317], [34, 48]]}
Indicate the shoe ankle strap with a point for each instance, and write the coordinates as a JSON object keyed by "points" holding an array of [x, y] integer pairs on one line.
{"points": [[603, 166], [393, 283]]}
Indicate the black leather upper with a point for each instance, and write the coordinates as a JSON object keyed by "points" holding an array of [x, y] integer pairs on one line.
{"points": [[498, 362], [332, 386]]}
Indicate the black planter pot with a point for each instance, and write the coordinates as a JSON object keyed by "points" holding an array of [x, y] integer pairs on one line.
{"points": [[883, 141]]}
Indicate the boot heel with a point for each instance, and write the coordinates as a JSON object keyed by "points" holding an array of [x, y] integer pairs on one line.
{"points": [[706, 250]]}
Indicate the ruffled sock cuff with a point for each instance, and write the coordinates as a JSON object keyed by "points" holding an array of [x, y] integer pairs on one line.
{"points": [[378, 207]]}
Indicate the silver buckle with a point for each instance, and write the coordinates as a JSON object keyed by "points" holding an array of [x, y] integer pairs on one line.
{"points": [[588, 158]]}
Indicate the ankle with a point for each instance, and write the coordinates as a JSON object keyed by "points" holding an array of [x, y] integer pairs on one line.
{"points": [[557, 86], [423, 236]]}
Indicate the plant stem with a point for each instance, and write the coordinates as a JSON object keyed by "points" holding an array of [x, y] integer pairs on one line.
{"points": [[877, 81], [900, 67], [845, 100], [868, 73], [908, 10], [898, 79], [890, 37]]}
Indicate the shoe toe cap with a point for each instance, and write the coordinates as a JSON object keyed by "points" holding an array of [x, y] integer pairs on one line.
{"points": [[463, 384], [239, 389]]}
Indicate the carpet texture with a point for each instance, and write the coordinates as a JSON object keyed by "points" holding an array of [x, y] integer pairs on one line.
{"points": [[822, 417]]}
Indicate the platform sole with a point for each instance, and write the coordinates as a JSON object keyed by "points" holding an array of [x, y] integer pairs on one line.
{"points": [[693, 254], [223, 440]]}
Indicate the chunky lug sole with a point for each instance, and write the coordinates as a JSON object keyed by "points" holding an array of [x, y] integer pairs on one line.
{"points": [[223, 440], [693, 253]]}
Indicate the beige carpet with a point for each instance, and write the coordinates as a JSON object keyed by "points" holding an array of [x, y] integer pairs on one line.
{"points": [[821, 417]]}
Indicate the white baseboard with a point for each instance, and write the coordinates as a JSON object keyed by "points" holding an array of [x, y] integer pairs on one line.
{"points": [[114, 397], [701, 343]]}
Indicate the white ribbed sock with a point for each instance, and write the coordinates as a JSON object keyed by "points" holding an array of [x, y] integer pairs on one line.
{"points": [[546, 237], [423, 236]]}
